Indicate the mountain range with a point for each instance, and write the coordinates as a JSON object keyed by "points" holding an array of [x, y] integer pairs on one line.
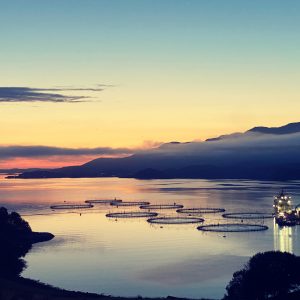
{"points": [[265, 153]]}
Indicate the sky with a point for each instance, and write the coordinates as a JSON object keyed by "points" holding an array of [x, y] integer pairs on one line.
{"points": [[95, 74]]}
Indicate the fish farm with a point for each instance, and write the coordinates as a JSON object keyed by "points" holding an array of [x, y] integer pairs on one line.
{"points": [[161, 206], [103, 201], [71, 206], [129, 203], [133, 214], [175, 220], [233, 227], [207, 210], [284, 213], [246, 215]]}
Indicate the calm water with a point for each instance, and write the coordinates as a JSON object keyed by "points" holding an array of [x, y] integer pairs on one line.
{"points": [[131, 257]]}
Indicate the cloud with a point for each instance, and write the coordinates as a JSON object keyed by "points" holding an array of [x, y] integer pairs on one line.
{"points": [[45, 151], [248, 147], [28, 94], [17, 156]]}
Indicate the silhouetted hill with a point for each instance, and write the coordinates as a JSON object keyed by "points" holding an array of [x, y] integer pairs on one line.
{"points": [[259, 153], [225, 136], [287, 129], [17, 171], [262, 172]]}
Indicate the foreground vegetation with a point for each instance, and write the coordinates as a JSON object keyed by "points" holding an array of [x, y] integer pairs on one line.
{"points": [[270, 275], [16, 239]]}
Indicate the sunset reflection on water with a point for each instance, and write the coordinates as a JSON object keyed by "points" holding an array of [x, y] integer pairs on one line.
{"points": [[129, 257]]}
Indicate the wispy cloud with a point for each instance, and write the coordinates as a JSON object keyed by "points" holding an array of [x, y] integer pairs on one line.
{"points": [[29, 94], [45, 151]]}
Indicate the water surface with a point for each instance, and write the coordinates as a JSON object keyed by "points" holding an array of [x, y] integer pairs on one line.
{"points": [[131, 257]]}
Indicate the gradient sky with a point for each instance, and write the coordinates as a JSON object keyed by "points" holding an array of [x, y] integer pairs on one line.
{"points": [[173, 69]]}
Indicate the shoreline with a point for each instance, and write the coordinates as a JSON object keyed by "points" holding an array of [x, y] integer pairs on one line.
{"points": [[28, 289], [24, 288]]}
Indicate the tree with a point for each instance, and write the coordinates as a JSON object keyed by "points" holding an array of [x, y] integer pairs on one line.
{"points": [[266, 275], [3, 215], [19, 223], [13, 243]]}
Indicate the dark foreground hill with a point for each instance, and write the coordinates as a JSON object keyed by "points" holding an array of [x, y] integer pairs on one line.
{"points": [[259, 153], [16, 239]]}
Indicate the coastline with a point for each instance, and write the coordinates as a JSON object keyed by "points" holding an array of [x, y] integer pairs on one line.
{"points": [[38, 237], [23, 288], [27, 289]]}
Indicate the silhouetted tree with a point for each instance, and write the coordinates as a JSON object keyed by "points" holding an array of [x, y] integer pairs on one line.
{"points": [[13, 243], [266, 275], [18, 223], [3, 215]]}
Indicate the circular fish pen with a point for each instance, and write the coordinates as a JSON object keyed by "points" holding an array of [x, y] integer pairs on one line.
{"points": [[129, 203], [248, 215], [200, 210], [232, 227], [133, 214], [161, 206], [175, 220], [103, 201], [71, 206]]}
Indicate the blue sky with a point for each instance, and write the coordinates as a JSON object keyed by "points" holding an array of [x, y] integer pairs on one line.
{"points": [[174, 70], [127, 36]]}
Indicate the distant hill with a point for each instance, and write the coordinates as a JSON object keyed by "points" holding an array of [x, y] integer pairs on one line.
{"points": [[259, 153], [17, 171], [287, 129]]}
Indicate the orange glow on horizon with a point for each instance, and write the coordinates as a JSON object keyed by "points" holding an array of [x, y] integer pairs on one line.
{"points": [[51, 161]]}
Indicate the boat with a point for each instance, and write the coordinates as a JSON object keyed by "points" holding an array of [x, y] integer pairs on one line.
{"points": [[285, 213]]}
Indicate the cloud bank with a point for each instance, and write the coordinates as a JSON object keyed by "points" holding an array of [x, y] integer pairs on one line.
{"points": [[7, 152], [28, 94], [246, 151]]}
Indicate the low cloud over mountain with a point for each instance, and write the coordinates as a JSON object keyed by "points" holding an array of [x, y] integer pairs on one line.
{"points": [[41, 151], [260, 153]]}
